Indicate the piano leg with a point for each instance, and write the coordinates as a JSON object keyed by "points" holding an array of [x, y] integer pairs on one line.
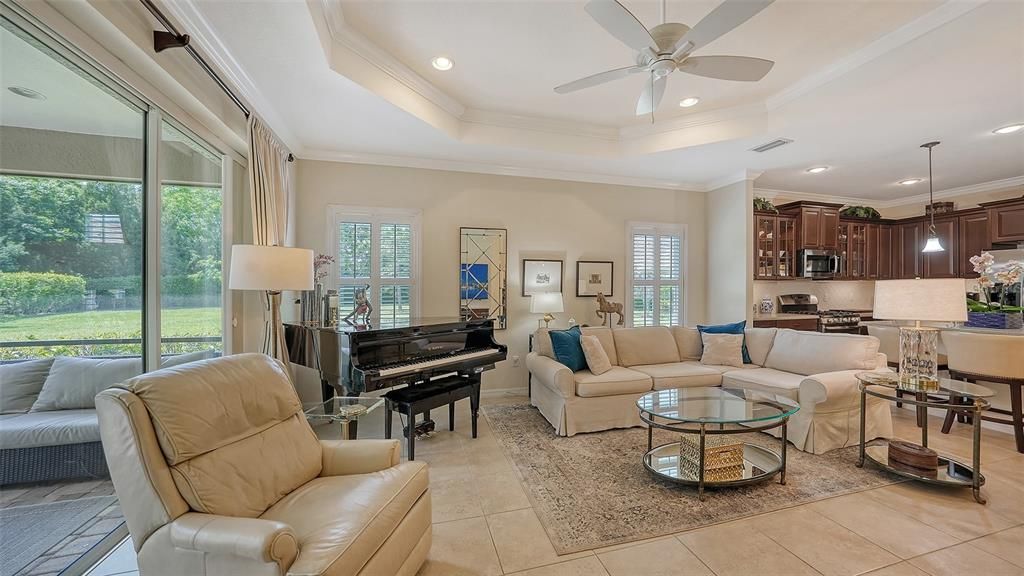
{"points": [[387, 420], [411, 434], [451, 416], [474, 401], [327, 390], [353, 429]]}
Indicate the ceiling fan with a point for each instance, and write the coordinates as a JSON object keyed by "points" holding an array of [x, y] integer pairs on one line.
{"points": [[668, 47]]}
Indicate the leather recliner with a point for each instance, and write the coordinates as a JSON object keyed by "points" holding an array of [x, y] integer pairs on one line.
{"points": [[218, 472]]}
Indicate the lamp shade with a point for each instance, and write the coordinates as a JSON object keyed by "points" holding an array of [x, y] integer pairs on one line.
{"points": [[546, 303], [928, 300], [270, 268]]}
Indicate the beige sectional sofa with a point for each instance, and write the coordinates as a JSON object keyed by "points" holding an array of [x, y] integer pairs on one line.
{"points": [[817, 370]]}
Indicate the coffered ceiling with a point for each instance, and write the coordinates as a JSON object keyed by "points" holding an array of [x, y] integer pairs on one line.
{"points": [[857, 86]]}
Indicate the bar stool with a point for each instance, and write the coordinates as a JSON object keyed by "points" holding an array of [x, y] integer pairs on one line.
{"points": [[996, 358], [889, 344]]}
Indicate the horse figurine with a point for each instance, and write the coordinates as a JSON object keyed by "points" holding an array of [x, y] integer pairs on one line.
{"points": [[605, 309], [362, 307]]}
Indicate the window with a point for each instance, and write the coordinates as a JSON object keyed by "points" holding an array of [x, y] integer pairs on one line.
{"points": [[376, 251], [655, 282]]}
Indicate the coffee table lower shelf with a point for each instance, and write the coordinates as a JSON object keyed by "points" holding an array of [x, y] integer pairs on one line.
{"points": [[759, 464], [950, 472]]}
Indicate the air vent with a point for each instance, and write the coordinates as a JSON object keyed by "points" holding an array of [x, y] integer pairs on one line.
{"points": [[771, 145]]}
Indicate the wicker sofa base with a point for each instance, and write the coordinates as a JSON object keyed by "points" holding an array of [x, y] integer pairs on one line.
{"points": [[69, 461]]}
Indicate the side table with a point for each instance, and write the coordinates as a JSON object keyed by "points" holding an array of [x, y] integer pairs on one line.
{"points": [[949, 396]]}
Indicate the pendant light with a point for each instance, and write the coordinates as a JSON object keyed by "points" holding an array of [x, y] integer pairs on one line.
{"points": [[933, 244]]}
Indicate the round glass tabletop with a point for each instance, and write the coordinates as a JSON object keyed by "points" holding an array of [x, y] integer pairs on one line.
{"points": [[716, 405], [946, 386]]}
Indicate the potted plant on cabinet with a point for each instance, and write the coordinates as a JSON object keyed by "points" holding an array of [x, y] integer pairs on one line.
{"points": [[995, 314]]}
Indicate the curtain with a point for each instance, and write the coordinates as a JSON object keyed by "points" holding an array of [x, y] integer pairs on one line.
{"points": [[269, 185], [269, 182]]}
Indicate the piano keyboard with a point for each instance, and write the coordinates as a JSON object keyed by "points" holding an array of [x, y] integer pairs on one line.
{"points": [[417, 366]]}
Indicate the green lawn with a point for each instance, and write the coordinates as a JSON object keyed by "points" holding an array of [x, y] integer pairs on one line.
{"points": [[109, 324]]}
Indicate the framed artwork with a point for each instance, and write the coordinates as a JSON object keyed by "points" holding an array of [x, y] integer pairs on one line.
{"points": [[541, 276], [593, 276]]}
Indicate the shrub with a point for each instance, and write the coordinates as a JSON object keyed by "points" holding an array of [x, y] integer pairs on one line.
{"points": [[191, 285], [25, 293]]}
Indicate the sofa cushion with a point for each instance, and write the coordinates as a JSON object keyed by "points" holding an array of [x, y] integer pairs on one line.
{"points": [[734, 328], [20, 384], [597, 360], [814, 353], [56, 428], [567, 347], [759, 342], [680, 375], [341, 521], [616, 381], [74, 382], [723, 369], [179, 359], [722, 349], [765, 379], [687, 342], [604, 335], [542, 343], [241, 449], [647, 345]]}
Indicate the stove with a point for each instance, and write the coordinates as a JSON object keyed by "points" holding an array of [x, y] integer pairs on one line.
{"points": [[833, 321]]}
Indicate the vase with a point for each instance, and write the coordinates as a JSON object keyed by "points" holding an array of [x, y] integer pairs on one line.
{"points": [[995, 320]]}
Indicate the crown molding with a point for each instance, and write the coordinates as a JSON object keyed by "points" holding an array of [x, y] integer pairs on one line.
{"points": [[982, 187], [192, 21], [538, 124], [943, 14], [498, 170], [741, 176], [365, 48]]}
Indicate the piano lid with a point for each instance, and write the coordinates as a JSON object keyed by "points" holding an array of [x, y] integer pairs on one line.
{"points": [[427, 322]]}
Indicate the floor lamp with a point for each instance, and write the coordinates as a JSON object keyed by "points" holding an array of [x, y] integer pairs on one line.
{"points": [[921, 300], [271, 269]]}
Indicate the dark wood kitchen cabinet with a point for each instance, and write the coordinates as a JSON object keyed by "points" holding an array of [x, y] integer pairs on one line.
{"points": [[945, 264], [972, 229], [774, 247], [906, 254], [817, 224], [1005, 220], [883, 252]]}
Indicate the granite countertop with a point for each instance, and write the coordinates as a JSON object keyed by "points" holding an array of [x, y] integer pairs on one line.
{"points": [[779, 316]]}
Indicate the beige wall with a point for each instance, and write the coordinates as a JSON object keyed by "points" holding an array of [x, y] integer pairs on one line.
{"points": [[545, 219], [730, 224]]}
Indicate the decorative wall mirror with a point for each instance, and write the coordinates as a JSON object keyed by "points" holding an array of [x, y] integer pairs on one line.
{"points": [[483, 274]]}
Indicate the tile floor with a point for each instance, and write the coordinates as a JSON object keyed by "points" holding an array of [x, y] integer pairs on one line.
{"points": [[484, 524]]}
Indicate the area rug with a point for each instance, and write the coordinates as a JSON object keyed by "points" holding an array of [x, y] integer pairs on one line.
{"points": [[592, 490], [26, 532]]}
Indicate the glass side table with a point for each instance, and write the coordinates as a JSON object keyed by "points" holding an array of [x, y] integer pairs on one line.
{"points": [[951, 395], [346, 411]]}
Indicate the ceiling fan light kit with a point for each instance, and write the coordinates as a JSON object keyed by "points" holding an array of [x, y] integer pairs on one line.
{"points": [[668, 47]]}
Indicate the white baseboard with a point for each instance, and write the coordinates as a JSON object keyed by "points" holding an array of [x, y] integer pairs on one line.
{"points": [[497, 392]]}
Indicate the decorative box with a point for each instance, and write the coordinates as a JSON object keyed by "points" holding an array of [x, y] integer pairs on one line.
{"points": [[939, 208], [913, 458], [723, 457], [998, 320]]}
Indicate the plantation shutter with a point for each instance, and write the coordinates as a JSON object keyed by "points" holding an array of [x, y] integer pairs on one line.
{"points": [[656, 276]]}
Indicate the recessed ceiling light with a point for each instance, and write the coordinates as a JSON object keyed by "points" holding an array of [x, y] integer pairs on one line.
{"points": [[911, 181], [1009, 129], [27, 92], [687, 102], [816, 169], [442, 63]]}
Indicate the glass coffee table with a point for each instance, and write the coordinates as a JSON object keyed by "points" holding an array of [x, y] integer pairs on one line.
{"points": [[708, 412], [955, 396], [346, 411]]}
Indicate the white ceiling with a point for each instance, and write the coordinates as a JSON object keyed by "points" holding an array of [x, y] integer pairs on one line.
{"points": [[857, 85]]}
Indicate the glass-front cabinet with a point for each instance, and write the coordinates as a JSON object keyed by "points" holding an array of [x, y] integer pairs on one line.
{"points": [[853, 250], [774, 246]]}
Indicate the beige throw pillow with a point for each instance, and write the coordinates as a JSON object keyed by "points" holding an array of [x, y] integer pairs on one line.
{"points": [[597, 358], [722, 349]]}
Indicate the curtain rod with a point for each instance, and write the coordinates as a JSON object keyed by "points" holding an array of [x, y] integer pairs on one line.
{"points": [[175, 39]]}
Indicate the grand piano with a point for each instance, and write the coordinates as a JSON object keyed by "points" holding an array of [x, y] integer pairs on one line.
{"points": [[357, 359]]}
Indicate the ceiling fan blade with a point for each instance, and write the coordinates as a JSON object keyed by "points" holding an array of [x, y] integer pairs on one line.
{"points": [[728, 15], [596, 79], [621, 23], [741, 68], [651, 96]]}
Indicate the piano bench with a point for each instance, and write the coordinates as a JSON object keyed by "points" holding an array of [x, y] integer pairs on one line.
{"points": [[422, 398]]}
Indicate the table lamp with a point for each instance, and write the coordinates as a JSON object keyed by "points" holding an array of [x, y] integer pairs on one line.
{"points": [[546, 303], [271, 269], [928, 300]]}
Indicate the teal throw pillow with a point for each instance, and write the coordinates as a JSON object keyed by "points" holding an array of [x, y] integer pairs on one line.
{"points": [[568, 349], [734, 328]]}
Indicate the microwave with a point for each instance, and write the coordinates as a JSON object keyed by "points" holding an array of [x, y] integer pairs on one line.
{"points": [[818, 263]]}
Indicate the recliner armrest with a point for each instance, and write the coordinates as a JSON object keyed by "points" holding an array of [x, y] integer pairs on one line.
{"points": [[344, 457], [252, 538], [556, 376]]}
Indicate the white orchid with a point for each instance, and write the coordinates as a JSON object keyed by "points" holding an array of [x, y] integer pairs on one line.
{"points": [[990, 275]]}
